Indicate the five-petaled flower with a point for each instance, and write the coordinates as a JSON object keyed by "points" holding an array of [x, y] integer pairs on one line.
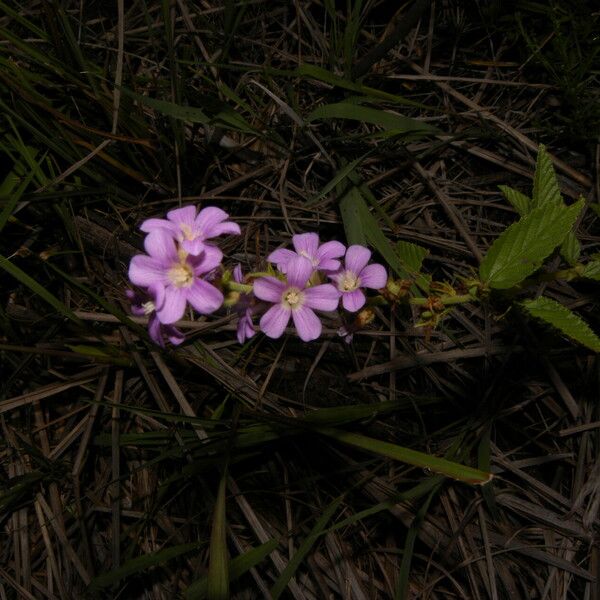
{"points": [[192, 231], [322, 257], [293, 299], [357, 274], [179, 274]]}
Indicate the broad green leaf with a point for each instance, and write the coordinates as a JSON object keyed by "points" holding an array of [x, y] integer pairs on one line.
{"points": [[350, 210], [545, 185], [374, 116], [521, 248], [139, 564], [237, 567], [362, 228], [304, 548], [567, 322], [411, 457], [218, 566], [411, 255], [571, 248], [592, 270], [520, 202]]}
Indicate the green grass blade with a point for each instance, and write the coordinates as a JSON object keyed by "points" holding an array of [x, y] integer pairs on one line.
{"points": [[140, 564], [388, 121], [237, 567], [411, 457]]}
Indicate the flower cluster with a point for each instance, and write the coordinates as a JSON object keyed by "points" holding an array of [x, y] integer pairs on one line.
{"points": [[178, 265], [181, 267]]}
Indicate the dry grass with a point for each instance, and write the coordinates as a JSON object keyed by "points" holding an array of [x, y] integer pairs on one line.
{"points": [[112, 450]]}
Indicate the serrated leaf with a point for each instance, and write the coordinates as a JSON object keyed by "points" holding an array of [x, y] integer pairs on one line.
{"points": [[520, 202], [139, 564], [592, 270], [545, 185], [571, 248], [364, 114], [520, 249], [411, 255], [567, 322]]}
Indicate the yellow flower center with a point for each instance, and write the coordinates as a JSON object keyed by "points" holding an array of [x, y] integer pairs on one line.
{"points": [[181, 275], [188, 234], [349, 282], [292, 298]]}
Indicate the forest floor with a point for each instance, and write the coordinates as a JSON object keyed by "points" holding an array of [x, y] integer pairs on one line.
{"points": [[275, 468]]}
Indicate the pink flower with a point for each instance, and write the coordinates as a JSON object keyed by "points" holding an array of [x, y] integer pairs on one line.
{"points": [[294, 299], [192, 230], [245, 311], [307, 244], [177, 275], [357, 274], [145, 305]]}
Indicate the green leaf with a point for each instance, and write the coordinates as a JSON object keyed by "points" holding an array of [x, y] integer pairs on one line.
{"points": [[237, 567], [564, 320], [218, 566], [592, 270], [520, 202], [571, 248], [411, 457], [361, 228], [350, 209], [411, 255], [520, 249], [545, 185], [388, 121], [139, 564]]}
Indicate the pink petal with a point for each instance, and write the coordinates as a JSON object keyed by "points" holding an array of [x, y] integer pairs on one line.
{"points": [[193, 247], [175, 336], [210, 259], [145, 271], [330, 250], [275, 320], [322, 297], [281, 258], [174, 307], [306, 244], [357, 258], [155, 332], [307, 324], [268, 289], [183, 216], [329, 264], [353, 301], [153, 224], [373, 276], [238, 277], [226, 228], [157, 293], [208, 220], [160, 244], [203, 297], [299, 270]]}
